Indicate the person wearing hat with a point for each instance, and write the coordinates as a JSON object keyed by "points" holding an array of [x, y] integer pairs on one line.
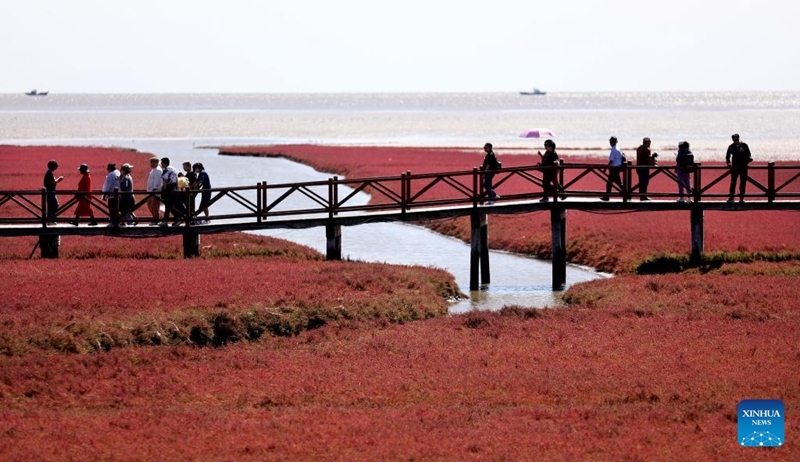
{"points": [[84, 208], [644, 159], [127, 200], [109, 187], [615, 161]]}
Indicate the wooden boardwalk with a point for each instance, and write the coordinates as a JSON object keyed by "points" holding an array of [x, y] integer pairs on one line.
{"points": [[414, 198]]}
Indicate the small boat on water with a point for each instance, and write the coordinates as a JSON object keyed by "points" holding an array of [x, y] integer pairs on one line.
{"points": [[535, 92], [35, 92]]}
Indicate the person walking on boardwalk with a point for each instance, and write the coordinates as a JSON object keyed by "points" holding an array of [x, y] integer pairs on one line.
{"points": [[84, 208], [109, 186], [490, 164], [644, 160], [153, 187], [615, 160], [203, 183], [50, 182], [127, 200], [549, 159], [683, 165], [737, 158]]}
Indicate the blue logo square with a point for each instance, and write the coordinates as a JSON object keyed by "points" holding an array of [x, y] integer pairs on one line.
{"points": [[761, 422]]}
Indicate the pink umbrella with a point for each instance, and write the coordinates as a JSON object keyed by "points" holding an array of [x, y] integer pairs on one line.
{"points": [[538, 133]]}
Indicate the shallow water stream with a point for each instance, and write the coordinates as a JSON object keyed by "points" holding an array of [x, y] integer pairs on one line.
{"points": [[516, 280]]}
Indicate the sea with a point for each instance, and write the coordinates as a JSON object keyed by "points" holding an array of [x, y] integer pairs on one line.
{"points": [[191, 126], [768, 121]]}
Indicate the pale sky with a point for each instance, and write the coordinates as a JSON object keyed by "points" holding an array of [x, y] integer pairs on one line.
{"points": [[117, 46]]}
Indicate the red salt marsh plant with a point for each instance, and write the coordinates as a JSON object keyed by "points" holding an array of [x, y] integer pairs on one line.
{"points": [[593, 381], [98, 304], [638, 368]]}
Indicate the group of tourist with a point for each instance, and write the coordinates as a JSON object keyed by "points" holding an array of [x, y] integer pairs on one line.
{"points": [[737, 157], [164, 185]]}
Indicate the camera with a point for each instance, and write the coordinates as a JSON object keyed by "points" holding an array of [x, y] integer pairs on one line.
{"points": [[655, 155]]}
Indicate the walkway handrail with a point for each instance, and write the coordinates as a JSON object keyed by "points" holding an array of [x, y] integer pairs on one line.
{"points": [[406, 191]]}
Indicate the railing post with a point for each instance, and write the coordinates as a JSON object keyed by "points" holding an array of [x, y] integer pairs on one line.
{"points": [[476, 193], [259, 204], [189, 208], [336, 195], [403, 193], [771, 182], [264, 198], [44, 208], [626, 182], [698, 182], [408, 187], [331, 197], [554, 180], [113, 208], [561, 175]]}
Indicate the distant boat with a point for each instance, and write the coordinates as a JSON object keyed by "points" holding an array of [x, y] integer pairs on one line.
{"points": [[34, 92], [535, 92]]}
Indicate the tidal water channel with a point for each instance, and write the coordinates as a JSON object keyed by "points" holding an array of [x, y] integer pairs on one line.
{"points": [[516, 279]]}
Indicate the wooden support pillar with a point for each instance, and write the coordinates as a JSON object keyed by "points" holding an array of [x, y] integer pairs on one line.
{"points": [[49, 245], [558, 223], [486, 276], [333, 233], [479, 251], [191, 245], [697, 234]]}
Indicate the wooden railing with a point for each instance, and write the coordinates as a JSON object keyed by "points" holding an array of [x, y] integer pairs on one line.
{"points": [[407, 191]]}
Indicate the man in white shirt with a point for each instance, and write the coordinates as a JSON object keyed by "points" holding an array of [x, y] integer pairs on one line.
{"points": [[173, 202], [154, 184], [615, 160], [109, 187]]}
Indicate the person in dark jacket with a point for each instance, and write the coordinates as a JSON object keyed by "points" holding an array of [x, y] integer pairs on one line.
{"points": [[644, 160], [549, 159], [490, 164], [683, 165], [50, 182], [737, 158], [127, 201]]}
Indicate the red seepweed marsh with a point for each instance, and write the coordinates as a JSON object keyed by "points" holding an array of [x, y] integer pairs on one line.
{"points": [[101, 359]]}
